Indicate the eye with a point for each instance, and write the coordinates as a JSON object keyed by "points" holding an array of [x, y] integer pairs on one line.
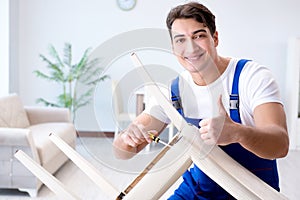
{"points": [[198, 36], [180, 40]]}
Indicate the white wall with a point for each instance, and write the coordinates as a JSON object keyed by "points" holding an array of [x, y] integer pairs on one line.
{"points": [[4, 49], [255, 29]]}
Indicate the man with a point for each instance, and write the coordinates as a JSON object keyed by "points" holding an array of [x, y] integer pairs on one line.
{"points": [[254, 135]]}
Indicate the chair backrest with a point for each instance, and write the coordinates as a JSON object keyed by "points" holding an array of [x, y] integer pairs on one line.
{"points": [[12, 112], [120, 95], [117, 98]]}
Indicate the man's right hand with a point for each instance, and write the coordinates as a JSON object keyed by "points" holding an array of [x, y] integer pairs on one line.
{"points": [[135, 137], [135, 134]]}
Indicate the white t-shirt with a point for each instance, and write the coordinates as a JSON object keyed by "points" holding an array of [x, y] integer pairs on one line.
{"points": [[256, 86]]}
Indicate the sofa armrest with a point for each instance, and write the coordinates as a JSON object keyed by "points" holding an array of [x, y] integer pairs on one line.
{"points": [[18, 138], [37, 115]]}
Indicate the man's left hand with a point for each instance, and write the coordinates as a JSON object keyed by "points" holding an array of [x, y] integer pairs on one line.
{"points": [[218, 130]]}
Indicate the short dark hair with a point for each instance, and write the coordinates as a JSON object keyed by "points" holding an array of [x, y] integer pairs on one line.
{"points": [[195, 11]]}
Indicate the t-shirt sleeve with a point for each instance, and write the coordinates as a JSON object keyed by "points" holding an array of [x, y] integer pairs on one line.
{"points": [[260, 86]]}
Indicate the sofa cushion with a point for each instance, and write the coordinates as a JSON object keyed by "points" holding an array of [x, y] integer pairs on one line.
{"points": [[12, 112], [45, 147]]}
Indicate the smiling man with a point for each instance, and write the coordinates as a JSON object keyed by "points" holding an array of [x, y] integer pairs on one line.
{"points": [[250, 123]]}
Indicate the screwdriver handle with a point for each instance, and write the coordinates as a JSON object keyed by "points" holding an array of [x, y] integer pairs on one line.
{"points": [[154, 138]]}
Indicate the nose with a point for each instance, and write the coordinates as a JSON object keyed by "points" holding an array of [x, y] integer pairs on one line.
{"points": [[188, 47], [191, 46]]}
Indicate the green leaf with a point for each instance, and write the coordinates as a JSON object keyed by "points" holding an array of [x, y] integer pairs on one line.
{"points": [[96, 81], [68, 54], [65, 100], [83, 60], [47, 103], [55, 70], [54, 54]]}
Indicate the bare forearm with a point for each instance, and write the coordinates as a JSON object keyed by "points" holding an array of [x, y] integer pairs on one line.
{"points": [[268, 142]]}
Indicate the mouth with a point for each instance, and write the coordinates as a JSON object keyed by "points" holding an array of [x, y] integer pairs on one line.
{"points": [[193, 58]]}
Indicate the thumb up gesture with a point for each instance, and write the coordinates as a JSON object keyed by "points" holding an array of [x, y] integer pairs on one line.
{"points": [[218, 130]]}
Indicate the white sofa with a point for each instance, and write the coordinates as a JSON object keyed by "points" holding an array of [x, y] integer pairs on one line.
{"points": [[28, 128]]}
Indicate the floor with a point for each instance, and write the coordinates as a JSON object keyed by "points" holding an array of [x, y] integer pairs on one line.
{"points": [[121, 173]]}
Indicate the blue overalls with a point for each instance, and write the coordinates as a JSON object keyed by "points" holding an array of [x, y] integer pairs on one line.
{"points": [[196, 184]]}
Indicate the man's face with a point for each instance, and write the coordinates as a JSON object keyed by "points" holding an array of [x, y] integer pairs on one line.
{"points": [[193, 44]]}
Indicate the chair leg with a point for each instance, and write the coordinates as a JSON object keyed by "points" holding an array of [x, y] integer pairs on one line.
{"points": [[116, 131], [171, 131], [147, 148]]}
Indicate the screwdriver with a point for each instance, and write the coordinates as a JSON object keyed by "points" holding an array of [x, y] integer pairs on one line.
{"points": [[157, 139]]}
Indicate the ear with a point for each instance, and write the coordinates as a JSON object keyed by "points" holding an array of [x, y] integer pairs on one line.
{"points": [[216, 38]]}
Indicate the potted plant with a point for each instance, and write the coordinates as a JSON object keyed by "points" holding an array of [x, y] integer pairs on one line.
{"points": [[68, 75]]}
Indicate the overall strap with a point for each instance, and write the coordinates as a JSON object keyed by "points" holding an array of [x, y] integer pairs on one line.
{"points": [[175, 96], [176, 101], [234, 96]]}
